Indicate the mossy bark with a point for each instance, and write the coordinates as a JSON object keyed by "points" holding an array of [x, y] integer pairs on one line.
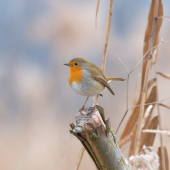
{"points": [[98, 139]]}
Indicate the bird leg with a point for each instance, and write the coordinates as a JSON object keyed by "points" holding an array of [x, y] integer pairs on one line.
{"points": [[87, 99], [97, 98], [84, 104]]}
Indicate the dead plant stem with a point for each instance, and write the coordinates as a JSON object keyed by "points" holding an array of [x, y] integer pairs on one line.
{"points": [[97, 9], [144, 90], [80, 158], [107, 35], [159, 119], [158, 109], [106, 41], [141, 112], [150, 103], [103, 62], [128, 75]]}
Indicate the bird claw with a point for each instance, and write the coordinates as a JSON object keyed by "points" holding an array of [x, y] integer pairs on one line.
{"points": [[83, 108]]}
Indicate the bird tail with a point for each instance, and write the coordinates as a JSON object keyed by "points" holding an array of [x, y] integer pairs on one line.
{"points": [[114, 79]]}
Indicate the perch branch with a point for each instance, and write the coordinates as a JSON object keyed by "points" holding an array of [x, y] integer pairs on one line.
{"points": [[98, 139]]}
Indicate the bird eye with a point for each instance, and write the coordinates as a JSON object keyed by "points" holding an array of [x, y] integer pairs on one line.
{"points": [[75, 64]]}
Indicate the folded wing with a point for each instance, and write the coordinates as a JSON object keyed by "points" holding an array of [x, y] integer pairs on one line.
{"points": [[104, 83]]}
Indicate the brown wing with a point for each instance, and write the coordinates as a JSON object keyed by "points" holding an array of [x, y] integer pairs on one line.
{"points": [[95, 70], [98, 75], [114, 79], [104, 83]]}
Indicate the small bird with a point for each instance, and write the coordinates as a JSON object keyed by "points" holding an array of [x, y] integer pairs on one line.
{"points": [[87, 79]]}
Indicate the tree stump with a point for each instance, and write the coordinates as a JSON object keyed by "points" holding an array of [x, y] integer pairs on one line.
{"points": [[96, 136]]}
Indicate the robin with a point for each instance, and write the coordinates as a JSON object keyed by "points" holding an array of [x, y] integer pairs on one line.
{"points": [[87, 79]]}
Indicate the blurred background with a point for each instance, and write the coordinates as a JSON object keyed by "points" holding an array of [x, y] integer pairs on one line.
{"points": [[36, 102]]}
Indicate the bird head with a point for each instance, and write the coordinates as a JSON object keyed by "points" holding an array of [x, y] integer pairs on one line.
{"points": [[77, 64]]}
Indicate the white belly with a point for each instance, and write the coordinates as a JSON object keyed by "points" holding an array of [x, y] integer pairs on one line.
{"points": [[88, 89]]}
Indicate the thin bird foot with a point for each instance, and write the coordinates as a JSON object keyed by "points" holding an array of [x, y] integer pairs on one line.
{"points": [[83, 108]]}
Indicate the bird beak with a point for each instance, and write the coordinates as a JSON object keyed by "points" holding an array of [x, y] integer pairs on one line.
{"points": [[67, 64]]}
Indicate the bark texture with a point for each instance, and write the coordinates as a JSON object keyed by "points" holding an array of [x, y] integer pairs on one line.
{"points": [[98, 139]]}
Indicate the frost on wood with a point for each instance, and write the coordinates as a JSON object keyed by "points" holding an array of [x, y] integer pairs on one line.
{"points": [[95, 134], [147, 159]]}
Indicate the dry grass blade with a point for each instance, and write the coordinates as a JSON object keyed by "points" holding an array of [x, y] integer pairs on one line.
{"points": [[131, 149], [165, 132], [134, 103], [165, 17], [131, 122], [152, 95], [130, 125], [149, 31], [107, 35], [166, 159], [147, 115], [136, 90], [142, 108], [163, 105], [151, 99], [164, 75], [106, 41], [97, 9], [125, 140], [153, 28], [163, 163], [124, 65], [146, 138], [155, 57], [144, 56], [80, 158], [151, 82], [147, 104]]}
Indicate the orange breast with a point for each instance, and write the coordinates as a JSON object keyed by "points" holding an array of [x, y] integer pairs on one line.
{"points": [[75, 75]]}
